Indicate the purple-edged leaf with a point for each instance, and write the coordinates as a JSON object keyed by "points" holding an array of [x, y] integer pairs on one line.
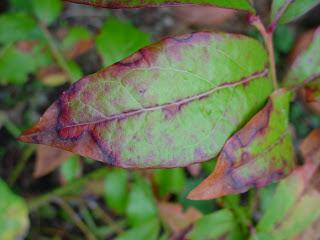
{"points": [[171, 104], [305, 67], [238, 4], [295, 206], [304, 73], [284, 11], [260, 153]]}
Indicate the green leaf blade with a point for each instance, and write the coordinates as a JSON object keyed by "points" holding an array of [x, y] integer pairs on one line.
{"points": [[286, 11], [14, 221], [171, 104]]}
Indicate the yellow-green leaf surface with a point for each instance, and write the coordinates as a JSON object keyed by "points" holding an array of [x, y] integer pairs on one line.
{"points": [[287, 10], [295, 205], [239, 4], [260, 153], [171, 104], [14, 221]]}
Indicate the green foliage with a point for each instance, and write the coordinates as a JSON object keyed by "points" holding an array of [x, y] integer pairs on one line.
{"points": [[146, 231], [180, 101], [116, 190], [112, 41], [71, 168], [141, 206], [213, 226], [14, 221], [22, 24], [293, 9], [47, 11], [170, 180]]}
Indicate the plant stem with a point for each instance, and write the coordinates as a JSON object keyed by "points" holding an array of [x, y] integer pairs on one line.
{"points": [[70, 187], [56, 52], [25, 155], [267, 37], [75, 218], [105, 217]]}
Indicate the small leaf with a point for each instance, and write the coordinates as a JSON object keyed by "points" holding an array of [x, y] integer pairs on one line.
{"points": [[116, 190], [170, 180], [70, 169], [148, 230], [260, 153], [171, 104], [141, 205], [174, 216], [295, 205], [112, 41], [213, 226], [22, 24], [77, 41], [239, 4], [48, 159], [47, 11], [14, 221], [285, 11]]}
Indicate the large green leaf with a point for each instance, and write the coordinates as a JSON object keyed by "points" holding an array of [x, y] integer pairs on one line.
{"points": [[305, 67], [260, 153], [295, 205], [287, 10], [112, 41], [14, 221], [171, 104], [239, 4]]}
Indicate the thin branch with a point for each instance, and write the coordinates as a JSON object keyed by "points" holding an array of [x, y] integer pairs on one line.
{"points": [[63, 190], [55, 51], [105, 217], [25, 156], [278, 15], [75, 218], [267, 37]]}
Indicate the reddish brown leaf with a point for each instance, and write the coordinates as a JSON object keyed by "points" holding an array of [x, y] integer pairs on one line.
{"points": [[174, 216], [260, 153], [48, 159], [199, 15], [79, 48]]}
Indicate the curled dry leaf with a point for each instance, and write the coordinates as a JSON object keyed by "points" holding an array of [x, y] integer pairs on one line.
{"points": [[239, 4], [260, 153], [305, 72], [48, 159], [174, 216], [171, 104], [295, 206]]}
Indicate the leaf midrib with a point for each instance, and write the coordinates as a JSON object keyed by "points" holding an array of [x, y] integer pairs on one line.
{"points": [[186, 100]]}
